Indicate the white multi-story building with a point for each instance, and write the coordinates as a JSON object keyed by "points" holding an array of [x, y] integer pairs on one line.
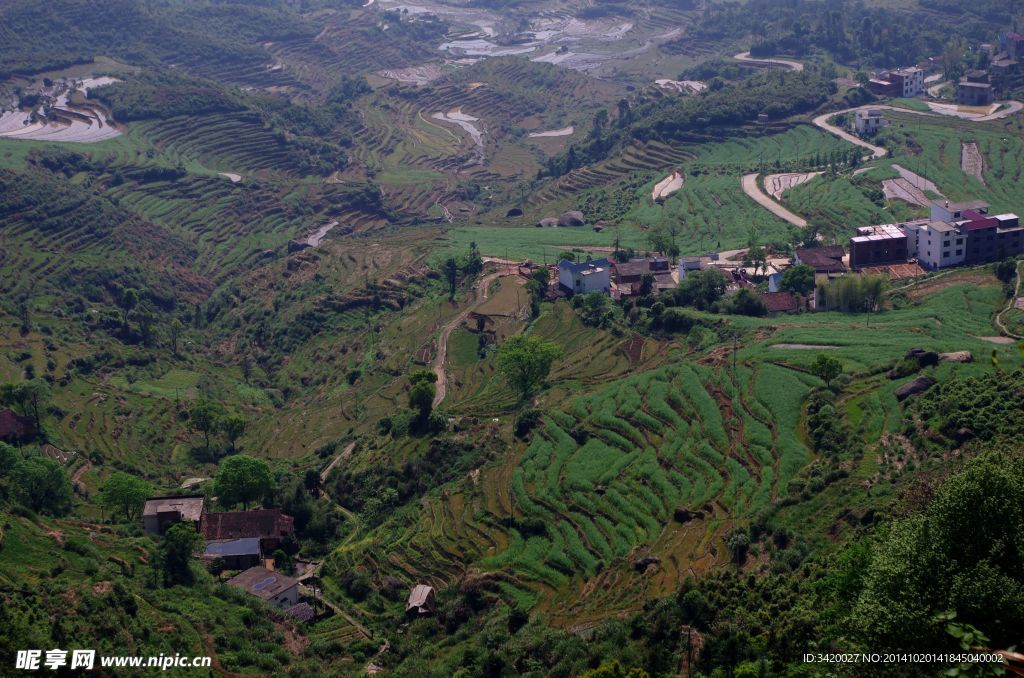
{"points": [[584, 277], [869, 121], [937, 244]]}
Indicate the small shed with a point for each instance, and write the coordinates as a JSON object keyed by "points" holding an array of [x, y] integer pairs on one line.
{"points": [[159, 513], [421, 599], [273, 587]]}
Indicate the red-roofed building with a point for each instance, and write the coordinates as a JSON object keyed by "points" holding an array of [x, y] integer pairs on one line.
{"points": [[14, 427], [270, 526], [781, 302]]}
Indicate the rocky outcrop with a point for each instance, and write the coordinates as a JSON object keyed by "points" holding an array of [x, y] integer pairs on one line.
{"points": [[915, 387], [571, 218]]}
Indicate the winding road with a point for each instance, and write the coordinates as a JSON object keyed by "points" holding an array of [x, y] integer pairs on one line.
{"points": [[750, 187], [442, 340], [792, 65]]}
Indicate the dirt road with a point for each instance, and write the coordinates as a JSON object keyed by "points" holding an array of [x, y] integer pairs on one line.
{"points": [[344, 454], [751, 188], [792, 65], [446, 331]]}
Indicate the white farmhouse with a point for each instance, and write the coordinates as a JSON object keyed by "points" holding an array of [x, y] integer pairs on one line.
{"points": [[584, 277]]}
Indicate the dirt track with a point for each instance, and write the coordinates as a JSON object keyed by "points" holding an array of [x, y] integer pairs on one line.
{"points": [[442, 341], [750, 187], [792, 65]]}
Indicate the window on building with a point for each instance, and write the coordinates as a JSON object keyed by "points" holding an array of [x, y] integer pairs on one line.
{"points": [[945, 254], [959, 252]]}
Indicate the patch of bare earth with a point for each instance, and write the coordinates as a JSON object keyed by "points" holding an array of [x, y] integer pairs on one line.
{"points": [[971, 161]]}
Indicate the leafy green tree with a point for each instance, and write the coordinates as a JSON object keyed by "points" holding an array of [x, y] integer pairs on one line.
{"points": [[826, 368], [129, 300], [31, 397], [175, 329], [233, 427], [595, 309], [964, 555], [42, 484], [205, 418], [613, 669], [798, 280], [526, 361], [9, 457], [422, 392], [124, 493], [242, 479], [180, 543], [701, 289], [745, 302], [451, 271], [145, 318]]}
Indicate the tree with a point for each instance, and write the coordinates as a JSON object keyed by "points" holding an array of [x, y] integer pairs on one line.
{"points": [[964, 555], [745, 302], [242, 479], [595, 309], [176, 327], [232, 426], [422, 392], [646, 284], [526, 361], [33, 395], [145, 318], [205, 417], [129, 300], [9, 457], [42, 484], [124, 493], [180, 543], [701, 289], [451, 270], [826, 368], [798, 280]]}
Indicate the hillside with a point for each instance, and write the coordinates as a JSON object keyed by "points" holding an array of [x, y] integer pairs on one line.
{"points": [[297, 263]]}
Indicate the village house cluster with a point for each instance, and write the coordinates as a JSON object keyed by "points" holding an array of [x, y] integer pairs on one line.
{"points": [[954, 234], [245, 541], [235, 540]]}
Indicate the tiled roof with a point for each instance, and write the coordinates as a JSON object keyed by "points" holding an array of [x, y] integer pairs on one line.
{"points": [[259, 523]]}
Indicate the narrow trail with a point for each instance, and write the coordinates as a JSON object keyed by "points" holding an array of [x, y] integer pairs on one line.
{"points": [[1009, 305], [750, 187], [792, 65], [344, 454], [446, 332]]}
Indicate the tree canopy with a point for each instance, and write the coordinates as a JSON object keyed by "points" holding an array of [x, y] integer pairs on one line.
{"points": [[242, 479], [526, 361], [125, 494], [42, 484]]}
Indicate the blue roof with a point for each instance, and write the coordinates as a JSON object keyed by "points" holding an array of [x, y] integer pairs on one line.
{"points": [[583, 265], [234, 547]]}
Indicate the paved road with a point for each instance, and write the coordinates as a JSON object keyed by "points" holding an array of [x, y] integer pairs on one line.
{"points": [[446, 332], [792, 65], [822, 122], [751, 188]]}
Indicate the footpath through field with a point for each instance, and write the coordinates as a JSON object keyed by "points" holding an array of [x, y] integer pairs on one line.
{"points": [[446, 331]]}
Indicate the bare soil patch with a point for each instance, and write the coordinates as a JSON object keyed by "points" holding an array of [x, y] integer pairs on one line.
{"points": [[971, 161]]}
